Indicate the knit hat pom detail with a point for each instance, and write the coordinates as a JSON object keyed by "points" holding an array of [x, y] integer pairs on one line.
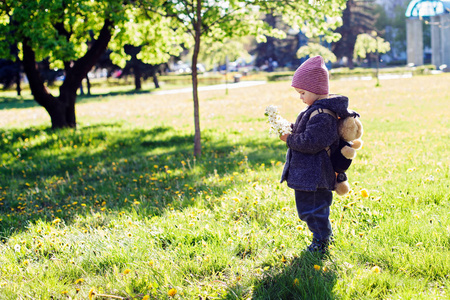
{"points": [[312, 76]]}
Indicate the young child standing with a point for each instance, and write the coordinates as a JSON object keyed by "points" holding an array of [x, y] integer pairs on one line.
{"points": [[308, 169]]}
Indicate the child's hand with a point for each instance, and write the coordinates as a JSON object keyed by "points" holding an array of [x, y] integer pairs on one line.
{"points": [[284, 137]]}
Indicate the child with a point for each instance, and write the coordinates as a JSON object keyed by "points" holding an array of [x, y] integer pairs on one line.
{"points": [[308, 169]]}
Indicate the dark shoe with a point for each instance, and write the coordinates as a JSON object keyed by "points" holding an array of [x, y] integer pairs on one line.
{"points": [[319, 246]]}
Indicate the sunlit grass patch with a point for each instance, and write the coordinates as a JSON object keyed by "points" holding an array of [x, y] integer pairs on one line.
{"points": [[120, 207]]}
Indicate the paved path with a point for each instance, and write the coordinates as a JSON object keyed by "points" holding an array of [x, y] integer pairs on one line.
{"points": [[212, 87]]}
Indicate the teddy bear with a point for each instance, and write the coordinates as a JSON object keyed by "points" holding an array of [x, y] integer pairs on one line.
{"points": [[350, 132]]}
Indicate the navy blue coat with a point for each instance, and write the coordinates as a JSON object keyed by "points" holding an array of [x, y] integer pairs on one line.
{"points": [[308, 166]]}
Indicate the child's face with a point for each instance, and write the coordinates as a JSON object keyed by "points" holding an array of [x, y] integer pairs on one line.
{"points": [[307, 97]]}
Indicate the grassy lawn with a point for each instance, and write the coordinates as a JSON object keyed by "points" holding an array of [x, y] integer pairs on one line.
{"points": [[120, 209]]}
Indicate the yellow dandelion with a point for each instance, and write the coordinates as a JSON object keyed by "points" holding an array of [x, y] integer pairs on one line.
{"points": [[317, 267], [299, 227], [56, 221], [80, 280], [376, 269], [151, 263], [91, 294], [26, 262], [324, 269], [172, 292], [64, 292], [283, 259], [296, 282], [146, 297], [364, 193], [126, 271]]}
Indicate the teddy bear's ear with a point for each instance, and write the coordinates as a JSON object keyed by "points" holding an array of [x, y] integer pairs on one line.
{"points": [[357, 144], [342, 188], [360, 128], [348, 152]]}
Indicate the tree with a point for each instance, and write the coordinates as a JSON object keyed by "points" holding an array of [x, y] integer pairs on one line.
{"points": [[371, 43], [281, 50], [146, 41], [313, 49], [230, 48], [358, 17], [9, 74], [138, 68], [59, 30], [214, 21]]}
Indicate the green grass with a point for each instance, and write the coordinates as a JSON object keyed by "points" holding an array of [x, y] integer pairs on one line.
{"points": [[119, 207]]}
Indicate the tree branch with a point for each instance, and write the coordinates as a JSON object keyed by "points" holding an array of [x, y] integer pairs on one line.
{"points": [[165, 15], [83, 65], [37, 86], [59, 26]]}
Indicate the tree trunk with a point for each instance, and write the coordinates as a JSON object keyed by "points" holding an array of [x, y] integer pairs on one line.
{"points": [[62, 112], [62, 109], [155, 80], [197, 137], [88, 85], [81, 89], [137, 75], [18, 88]]}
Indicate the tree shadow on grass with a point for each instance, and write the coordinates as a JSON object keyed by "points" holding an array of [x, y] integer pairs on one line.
{"points": [[47, 174], [16, 103], [305, 277], [113, 94]]}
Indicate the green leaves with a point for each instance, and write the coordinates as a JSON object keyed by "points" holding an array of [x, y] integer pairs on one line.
{"points": [[54, 28], [313, 18], [157, 35], [313, 49], [366, 43]]}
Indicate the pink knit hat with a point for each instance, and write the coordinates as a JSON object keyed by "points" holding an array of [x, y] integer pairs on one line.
{"points": [[312, 76]]}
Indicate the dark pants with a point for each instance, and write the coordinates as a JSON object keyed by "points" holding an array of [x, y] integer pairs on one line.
{"points": [[314, 209]]}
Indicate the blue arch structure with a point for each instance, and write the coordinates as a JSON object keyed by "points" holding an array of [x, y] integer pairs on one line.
{"points": [[427, 8], [437, 15]]}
